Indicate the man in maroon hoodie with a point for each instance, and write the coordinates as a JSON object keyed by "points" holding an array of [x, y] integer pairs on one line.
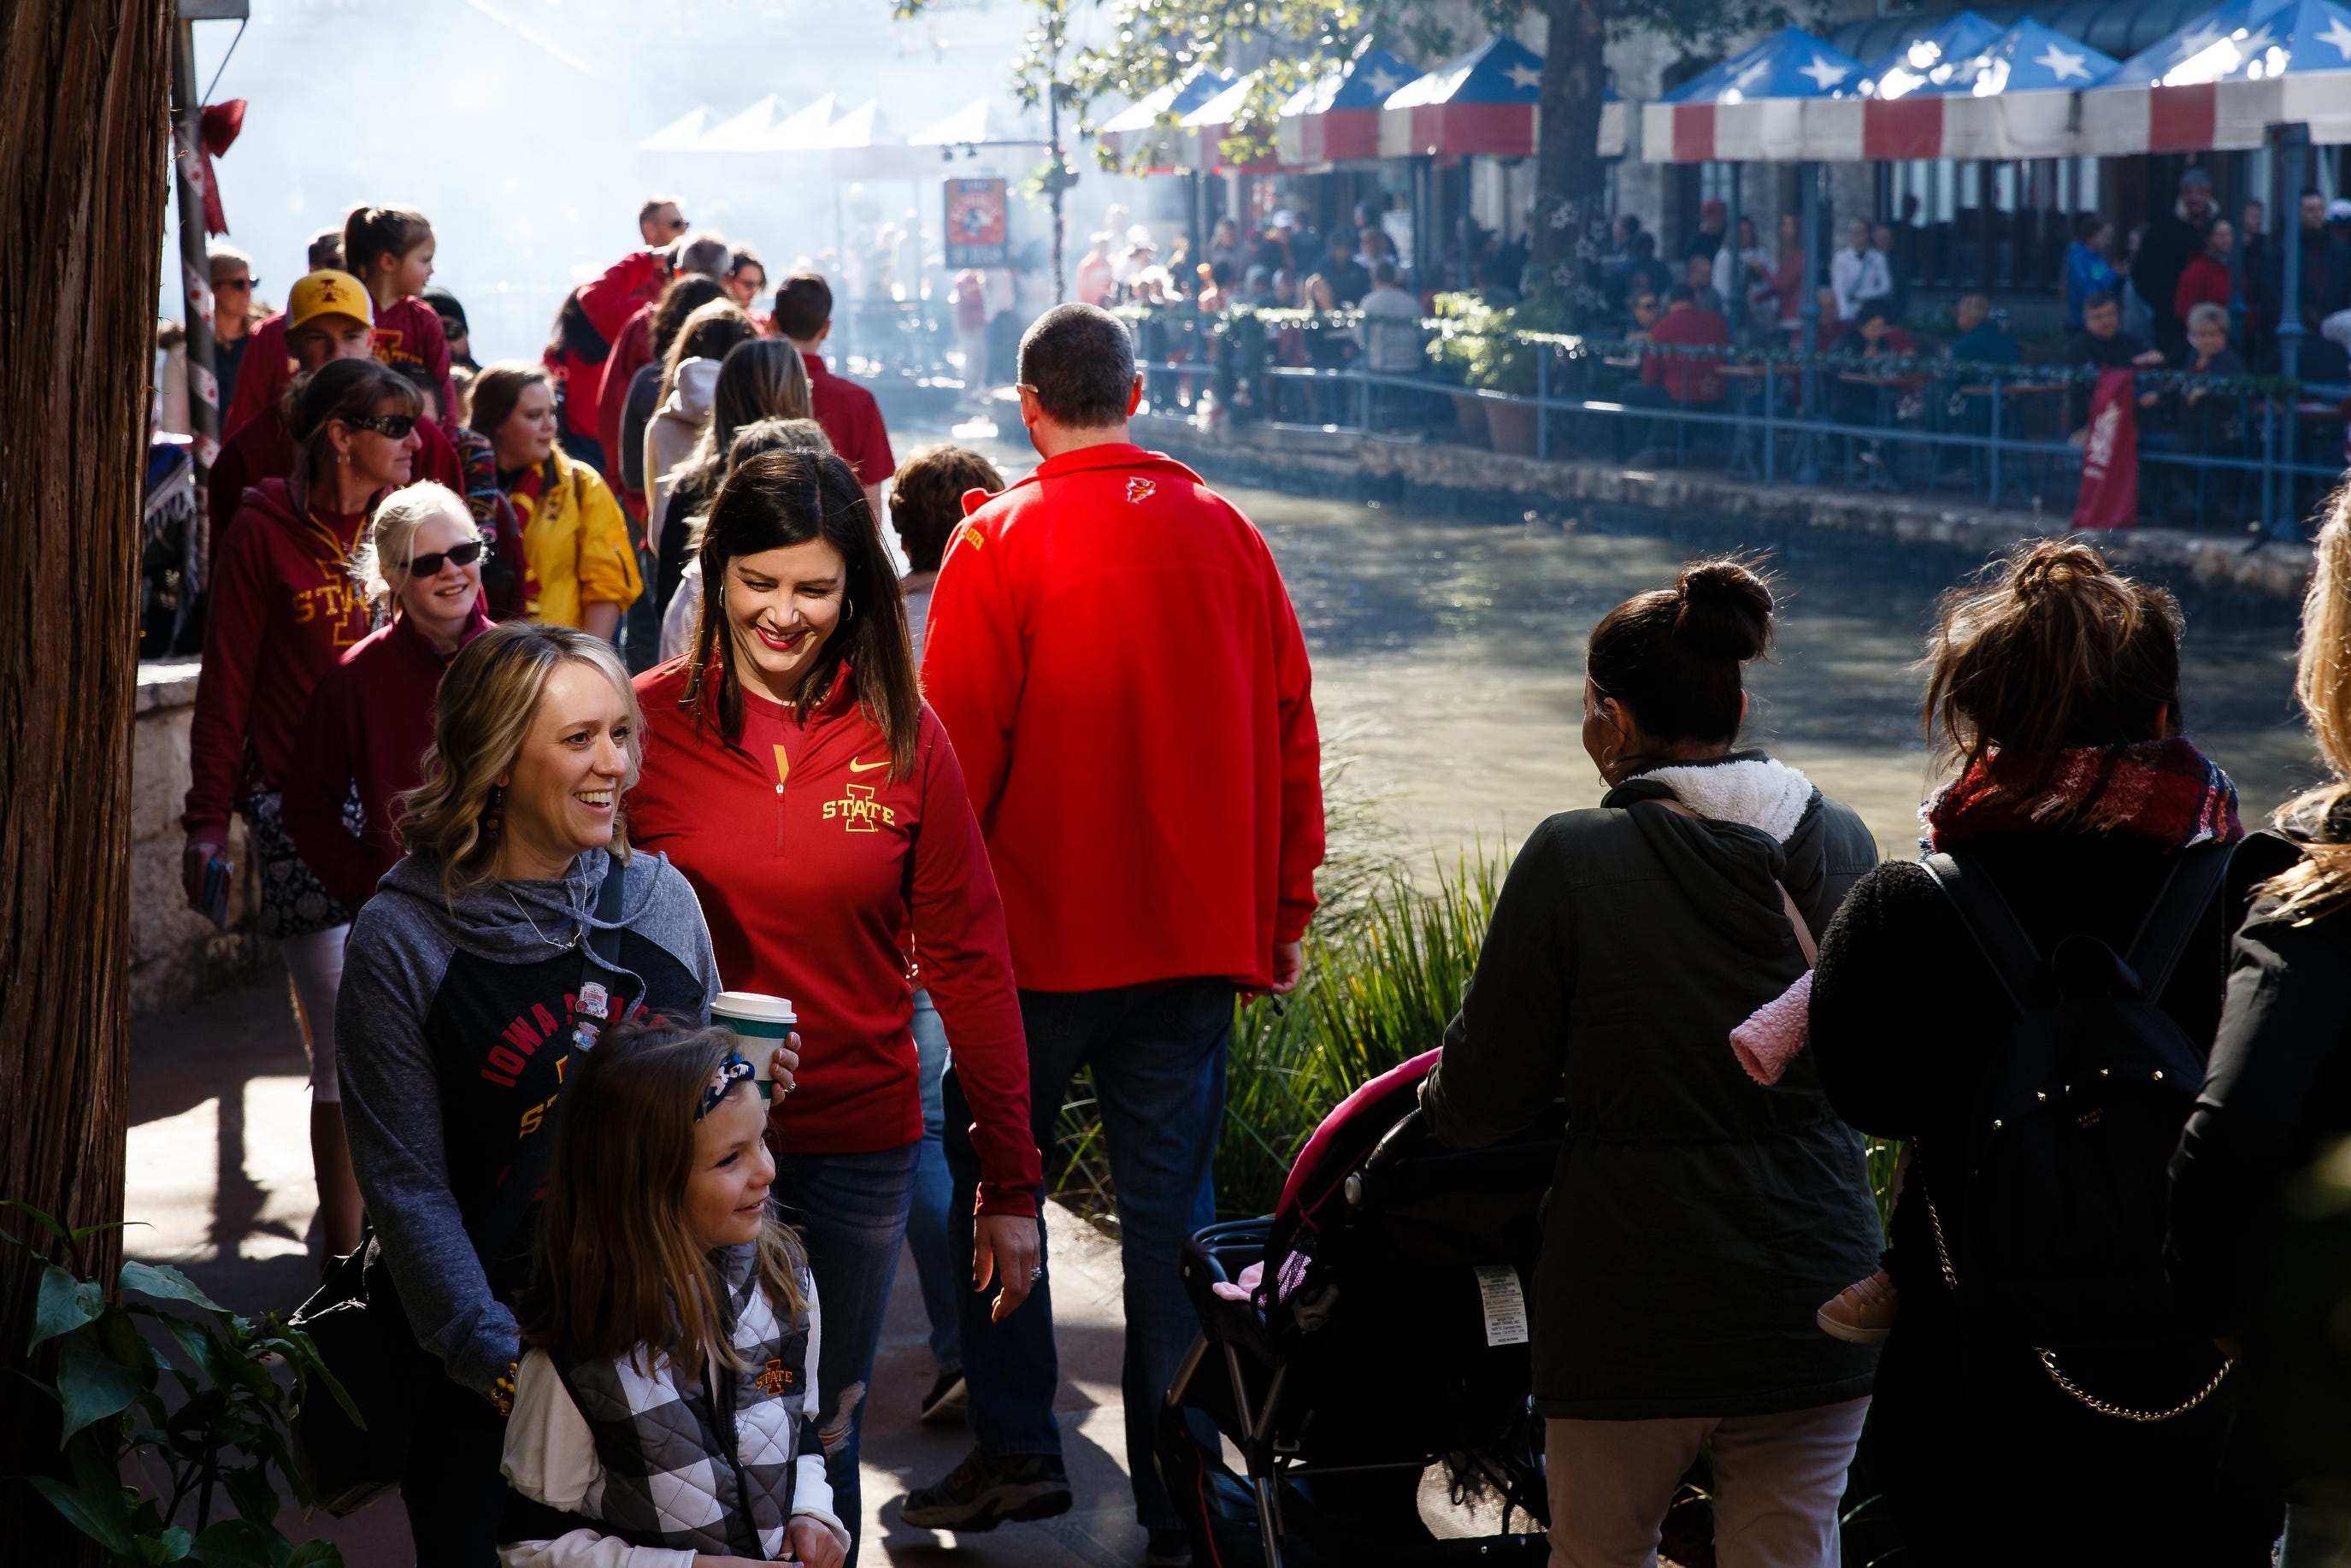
{"points": [[852, 419], [1118, 663]]}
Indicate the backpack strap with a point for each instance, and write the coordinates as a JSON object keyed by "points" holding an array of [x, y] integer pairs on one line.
{"points": [[2179, 909], [1986, 918]]}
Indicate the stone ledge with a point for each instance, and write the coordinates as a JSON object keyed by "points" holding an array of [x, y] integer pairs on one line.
{"points": [[167, 683], [2210, 562]]}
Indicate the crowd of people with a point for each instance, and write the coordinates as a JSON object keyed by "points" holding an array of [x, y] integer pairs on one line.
{"points": [[1048, 801]]}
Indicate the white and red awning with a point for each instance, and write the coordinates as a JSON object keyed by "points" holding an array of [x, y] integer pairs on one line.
{"points": [[1137, 130], [1337, 120], [1481, 105], [1201, 145], [2014, 98], [1752, 108], [2220, 82]]}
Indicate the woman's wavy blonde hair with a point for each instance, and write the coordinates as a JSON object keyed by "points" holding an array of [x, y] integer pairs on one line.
{"points": [[481, 717], [392, 536], [2320, 818]]}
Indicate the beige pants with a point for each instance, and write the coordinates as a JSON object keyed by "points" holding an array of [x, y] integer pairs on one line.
{"points": [[1777, 1482]]}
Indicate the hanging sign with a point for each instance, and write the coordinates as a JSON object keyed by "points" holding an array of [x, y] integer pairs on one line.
{"points": [[978, 223]]}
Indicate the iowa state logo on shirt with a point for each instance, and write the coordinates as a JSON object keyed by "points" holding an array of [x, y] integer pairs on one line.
{"points": [[857, 811]]}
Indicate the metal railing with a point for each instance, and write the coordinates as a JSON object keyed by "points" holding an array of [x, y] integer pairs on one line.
{"points": [[2217, 453]]}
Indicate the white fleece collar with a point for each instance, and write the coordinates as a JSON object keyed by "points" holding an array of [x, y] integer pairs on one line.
{"points": [[1757, 791]]}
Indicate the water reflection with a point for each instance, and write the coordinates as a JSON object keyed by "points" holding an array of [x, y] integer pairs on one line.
{"points": [[1448, 652]]}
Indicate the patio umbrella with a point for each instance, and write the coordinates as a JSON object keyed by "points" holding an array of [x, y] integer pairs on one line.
{"points": [[1481, 105], [1752, 107], [1136, 129], [1338, 117], [2220, 83]]}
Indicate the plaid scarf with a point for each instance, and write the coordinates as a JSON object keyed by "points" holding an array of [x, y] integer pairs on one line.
{"points": [[2161, 789], [704, 1463], [523, 501]]}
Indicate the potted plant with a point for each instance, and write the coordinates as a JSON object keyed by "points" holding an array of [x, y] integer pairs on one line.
{"points": [[1482, 344]]}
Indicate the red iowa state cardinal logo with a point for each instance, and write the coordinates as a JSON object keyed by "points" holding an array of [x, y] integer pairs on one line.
{"points": [[1138, 491]]}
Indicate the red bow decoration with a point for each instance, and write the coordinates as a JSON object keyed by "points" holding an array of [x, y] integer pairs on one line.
{"points": [[218, 124]]}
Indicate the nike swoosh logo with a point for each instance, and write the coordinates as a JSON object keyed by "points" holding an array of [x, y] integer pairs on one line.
{"points": [[857, 767]]}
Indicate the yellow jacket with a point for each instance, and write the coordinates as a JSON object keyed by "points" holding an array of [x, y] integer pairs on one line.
{"points": [[577, 545]]}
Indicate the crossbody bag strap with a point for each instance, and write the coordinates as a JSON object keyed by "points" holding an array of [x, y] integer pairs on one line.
{"points": [[1805, 943], [2163, 936], [497, 1229]]}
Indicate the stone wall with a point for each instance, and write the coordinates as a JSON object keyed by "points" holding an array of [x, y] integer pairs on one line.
{"points": [[176, 955]]}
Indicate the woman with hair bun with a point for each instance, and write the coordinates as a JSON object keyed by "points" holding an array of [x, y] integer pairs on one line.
{"points": [[2052, 692], [1705, 1200], [284, 608]]}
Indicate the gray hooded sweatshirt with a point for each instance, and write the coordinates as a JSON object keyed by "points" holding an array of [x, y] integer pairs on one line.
{"points": [[452, 1031]]}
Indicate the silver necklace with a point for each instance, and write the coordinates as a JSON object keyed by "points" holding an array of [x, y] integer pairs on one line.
{"points": [[527, 920]]}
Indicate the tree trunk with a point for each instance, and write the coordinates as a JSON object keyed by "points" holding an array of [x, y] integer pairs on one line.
{"points": [[82, 187], [1570, 187]]}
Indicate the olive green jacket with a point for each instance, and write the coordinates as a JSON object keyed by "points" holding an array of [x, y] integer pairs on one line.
{"points": [[1696, 1219]]}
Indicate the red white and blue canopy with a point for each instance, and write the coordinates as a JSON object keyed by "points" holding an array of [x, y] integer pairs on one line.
{"points": [[1338, 117], [1481, 105], [1136, 130], [1485, 104], [1751, 106], [2221, 81], [1938, 48], [2013, 98], [1201, 145]]}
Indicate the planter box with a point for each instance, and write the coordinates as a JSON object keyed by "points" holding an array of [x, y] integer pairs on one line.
{"points": [[1470, 413], [1512, 425]]}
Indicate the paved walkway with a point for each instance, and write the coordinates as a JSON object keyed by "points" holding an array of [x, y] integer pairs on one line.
{"points": [[220, 1185]]}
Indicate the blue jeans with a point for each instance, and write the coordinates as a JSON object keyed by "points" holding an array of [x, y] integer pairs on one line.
{"points": [[1158, 1058], [926, 1223], [851, 1212]]}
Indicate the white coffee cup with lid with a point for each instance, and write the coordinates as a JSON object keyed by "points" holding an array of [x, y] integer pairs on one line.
{"points": [[764, 1023]]}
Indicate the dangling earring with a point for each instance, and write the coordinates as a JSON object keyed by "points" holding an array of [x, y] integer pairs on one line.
{"points": [[848, 608], [493, 818]]}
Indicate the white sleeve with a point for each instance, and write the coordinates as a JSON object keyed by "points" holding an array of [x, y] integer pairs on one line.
{"points": [[550, 1455], [812, 1491], [684, 607], [586, 1549]]}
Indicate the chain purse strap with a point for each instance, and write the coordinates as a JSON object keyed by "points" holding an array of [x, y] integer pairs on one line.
{"points": [[2048, 1357]]}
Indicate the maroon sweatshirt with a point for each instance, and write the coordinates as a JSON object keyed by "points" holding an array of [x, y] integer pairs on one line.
{"points": [[283, 610], [370, 720]]}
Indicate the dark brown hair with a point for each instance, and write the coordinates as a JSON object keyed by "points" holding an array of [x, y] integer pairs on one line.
{"points": [[496, 391], [345, 390], [682, 297], [371, 232], [926, 500], [709, 331], [803, 305], [776, 500], [2049, 649], [1672, 655], [616, 1270], [1079, 361]]}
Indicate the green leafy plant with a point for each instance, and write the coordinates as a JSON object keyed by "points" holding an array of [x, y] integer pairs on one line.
{"points": [[223, 1442]]}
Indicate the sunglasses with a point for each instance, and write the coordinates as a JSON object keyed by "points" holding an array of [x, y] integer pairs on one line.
{"points": [[466, 554], [244, 283], [390, 426]]}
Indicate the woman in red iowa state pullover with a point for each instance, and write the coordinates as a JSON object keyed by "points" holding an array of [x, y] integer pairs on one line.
{"points": [[793, 774], [284, 608]]}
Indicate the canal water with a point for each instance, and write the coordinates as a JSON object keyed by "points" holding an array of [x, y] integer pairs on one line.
{"points": [[1448, 643]]}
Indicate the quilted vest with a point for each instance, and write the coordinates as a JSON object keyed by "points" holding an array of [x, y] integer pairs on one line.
{"points": [[704, 1463]]}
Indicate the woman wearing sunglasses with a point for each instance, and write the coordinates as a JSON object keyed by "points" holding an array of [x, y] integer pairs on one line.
{"points": [[283, 610]]}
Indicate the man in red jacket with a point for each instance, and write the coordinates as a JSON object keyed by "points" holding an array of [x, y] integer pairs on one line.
{"points": [[705, 253], [852, 419], [589, 319], [1120, 668]]}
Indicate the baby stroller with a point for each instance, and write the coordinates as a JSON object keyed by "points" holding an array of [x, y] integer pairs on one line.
{"points": [[1373, 1325]]}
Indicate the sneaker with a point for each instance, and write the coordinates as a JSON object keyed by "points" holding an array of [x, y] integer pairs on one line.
{"points": [[986, 1490], [1168, 1549], [1863, 1313], [944, 1405]]}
